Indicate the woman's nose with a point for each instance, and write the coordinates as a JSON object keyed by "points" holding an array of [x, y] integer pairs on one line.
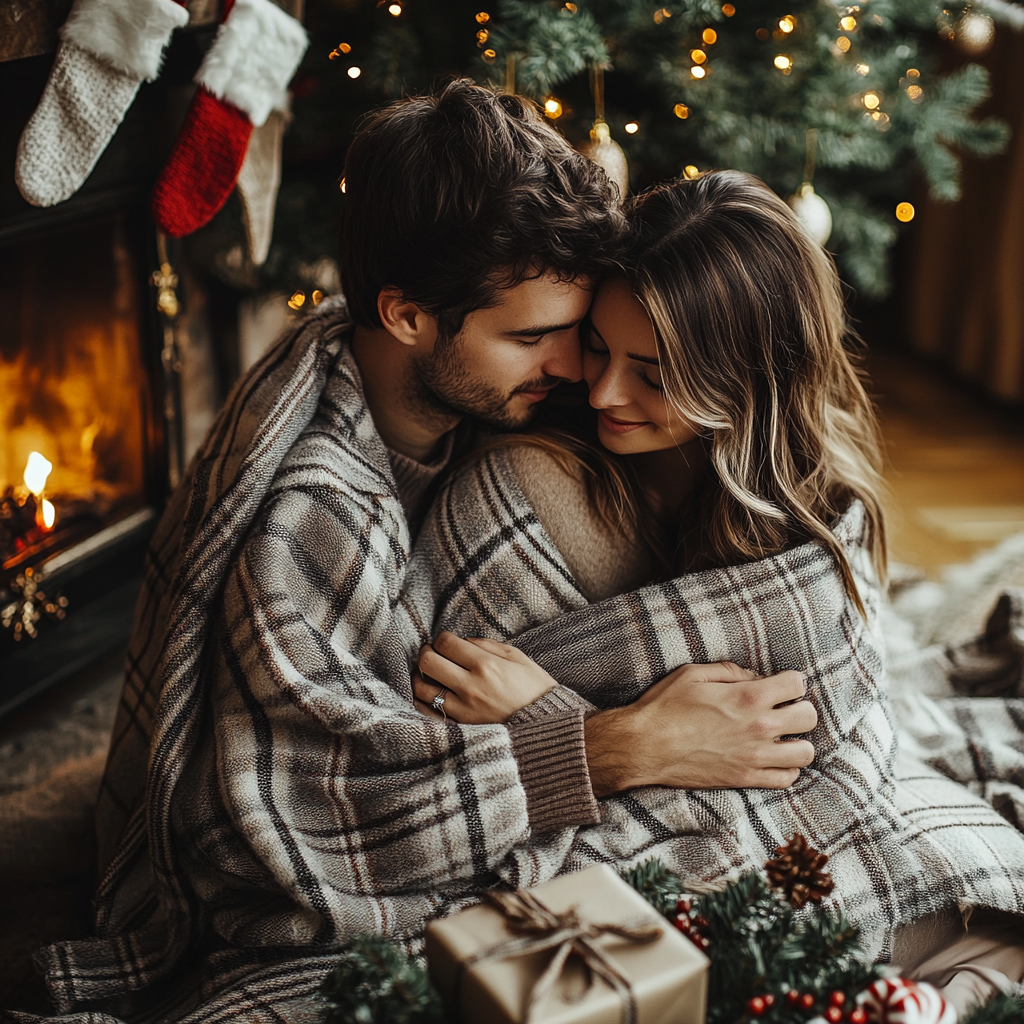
{"points": [[606, 390]]}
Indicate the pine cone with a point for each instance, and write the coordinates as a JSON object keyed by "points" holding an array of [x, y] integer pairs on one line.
{"points": [[797, 870]]}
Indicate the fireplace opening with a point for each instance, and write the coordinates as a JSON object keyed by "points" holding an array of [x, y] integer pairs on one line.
{"points": [[73, 389]]}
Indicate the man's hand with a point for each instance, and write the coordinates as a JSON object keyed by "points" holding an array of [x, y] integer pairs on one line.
{"points": [[487, 681], [704, 727]]}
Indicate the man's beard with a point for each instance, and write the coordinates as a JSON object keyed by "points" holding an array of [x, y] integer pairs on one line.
{"points": [[441, 387]]}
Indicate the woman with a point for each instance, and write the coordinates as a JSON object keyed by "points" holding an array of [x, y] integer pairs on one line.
{"points": [[734, 459]]}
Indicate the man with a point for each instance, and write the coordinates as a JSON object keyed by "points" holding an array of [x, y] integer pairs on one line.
{"points": [[271, 789]]}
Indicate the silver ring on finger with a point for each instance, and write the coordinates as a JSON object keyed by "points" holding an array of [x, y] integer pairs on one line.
{"points": [[438, 702]]}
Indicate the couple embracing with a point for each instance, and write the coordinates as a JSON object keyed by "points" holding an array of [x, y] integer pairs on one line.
{"points": [[557, 542]]}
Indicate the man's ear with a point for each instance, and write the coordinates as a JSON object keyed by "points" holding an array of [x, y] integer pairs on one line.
{"points": [[405, 321]]}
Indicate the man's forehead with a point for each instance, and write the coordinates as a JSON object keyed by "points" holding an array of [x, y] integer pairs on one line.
{"points": [[543, 296]]}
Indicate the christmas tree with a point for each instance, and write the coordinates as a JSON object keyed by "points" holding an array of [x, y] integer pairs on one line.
{"points": [[851, 99]]}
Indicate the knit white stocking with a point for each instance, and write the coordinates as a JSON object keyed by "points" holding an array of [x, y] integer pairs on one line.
{"points": [[84, 102], [108, 47]]}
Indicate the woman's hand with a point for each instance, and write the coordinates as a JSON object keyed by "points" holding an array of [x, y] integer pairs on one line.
{"points": [[485, 681]]}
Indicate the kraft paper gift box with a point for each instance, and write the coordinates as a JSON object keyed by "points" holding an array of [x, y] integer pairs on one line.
{"points": [[667, 976]]}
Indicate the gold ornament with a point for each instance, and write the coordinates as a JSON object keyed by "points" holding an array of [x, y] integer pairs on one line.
{"points": [[975, 32]]}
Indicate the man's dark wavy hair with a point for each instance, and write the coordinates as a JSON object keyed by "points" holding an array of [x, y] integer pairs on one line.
{"points": [[454, 195]]}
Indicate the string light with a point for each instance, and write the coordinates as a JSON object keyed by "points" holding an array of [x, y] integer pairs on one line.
{"points": [[690, 171], [698, 56], [913, 73], [783, 63], [342, 185], [880, 118], [871, 100], [482, 36], [483, 17], [762, 34], [489, 56], [905, 212], [339, 50], [848, 24], [863, 69], [394, 10], [317, 297], [787, 24], [682, 111], [697, 71], [552, 108], [632, 128], [298, 300], [728, 10], [709, 35], [354, 72], [915, 92], [571, 8], [843, 44], [660, 16]]}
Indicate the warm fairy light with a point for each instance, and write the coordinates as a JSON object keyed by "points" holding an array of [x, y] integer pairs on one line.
{"points": [[905, 212], [782, 62], [342, 185], [483, 17], [913, 73], [552, 108], [709, 35], [394, 10], [698, 56], [482, 36], [340, 49], [317, 297], [787, 24], [848, 24], [863, 69], [490, 56], [871, 100], [571, 8], [354, 72], [762, 34], [728, 10], [49, 516], [344, 48], [881, 120], [37, 469], [632, 128], [682, 111], [915, 92], [661, 15], [697, 71], [843, 43], [298, 300], [690, 171]]}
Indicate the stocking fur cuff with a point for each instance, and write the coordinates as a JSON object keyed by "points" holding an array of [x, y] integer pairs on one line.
{"points": [[253, 58], [129, 35]]}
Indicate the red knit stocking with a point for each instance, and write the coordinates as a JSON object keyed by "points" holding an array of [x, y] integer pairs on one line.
{"points": [[244, 76]]}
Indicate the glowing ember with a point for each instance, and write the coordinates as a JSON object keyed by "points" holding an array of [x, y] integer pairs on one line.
{"points": [[37, 470]]}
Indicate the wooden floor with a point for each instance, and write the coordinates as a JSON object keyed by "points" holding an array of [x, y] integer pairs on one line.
{"points": [[955, 464]]}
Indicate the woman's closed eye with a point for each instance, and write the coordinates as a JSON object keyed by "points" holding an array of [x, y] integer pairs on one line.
{"points": [[592, 340], [654, 385]]}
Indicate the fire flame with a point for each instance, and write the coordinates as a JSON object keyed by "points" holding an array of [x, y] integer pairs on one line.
{"points": [[37, 470], [49, 514]]}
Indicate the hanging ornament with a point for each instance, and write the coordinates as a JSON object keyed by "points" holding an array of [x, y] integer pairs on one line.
{"points": [[899, 1001], [797, 869], [975, 31], [811, 210], [602, 148]]}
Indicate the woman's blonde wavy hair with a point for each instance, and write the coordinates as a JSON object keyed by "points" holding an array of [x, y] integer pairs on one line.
{"points": [[757, 352]]}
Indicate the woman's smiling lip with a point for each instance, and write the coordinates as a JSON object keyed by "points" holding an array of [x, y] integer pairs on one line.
{"points": [[619, 426]]}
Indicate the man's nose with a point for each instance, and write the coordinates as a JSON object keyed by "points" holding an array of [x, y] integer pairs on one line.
{"points": [[565, 360]]}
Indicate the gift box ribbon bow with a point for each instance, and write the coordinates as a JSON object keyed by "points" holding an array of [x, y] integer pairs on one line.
{"points": [[539, 928]]}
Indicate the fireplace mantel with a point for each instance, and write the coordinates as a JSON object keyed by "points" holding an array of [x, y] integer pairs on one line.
{"points": [[29, 27]]}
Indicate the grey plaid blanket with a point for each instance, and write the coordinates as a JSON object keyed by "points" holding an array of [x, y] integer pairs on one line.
{"points": [[251, 845]]}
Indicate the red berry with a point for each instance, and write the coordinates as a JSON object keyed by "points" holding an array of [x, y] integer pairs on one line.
{"points": [[683, 906], [684, 924], [756, 1005], [792, 997], [769, 1000], [703, 942], [857, 1016], [700, 922], [807, 1001], [834, 1015], [837, 998]]}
